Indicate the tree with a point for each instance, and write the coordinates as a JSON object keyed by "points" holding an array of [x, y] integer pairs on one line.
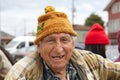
{"points": [[93, 18]]}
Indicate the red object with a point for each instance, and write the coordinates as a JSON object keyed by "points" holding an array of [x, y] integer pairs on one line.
{"points": [[117, 60], [96, 35]]}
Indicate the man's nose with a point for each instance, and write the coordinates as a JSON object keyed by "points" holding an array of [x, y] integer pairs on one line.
{"points": [[58, 47], [58, 44]]}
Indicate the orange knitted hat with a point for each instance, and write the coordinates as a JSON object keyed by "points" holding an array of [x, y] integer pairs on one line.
{"points": [[53, 22]]}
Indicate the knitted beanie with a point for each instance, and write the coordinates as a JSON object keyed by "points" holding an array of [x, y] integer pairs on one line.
{"points": [[96, 35], [118, 38], [53, 22]]}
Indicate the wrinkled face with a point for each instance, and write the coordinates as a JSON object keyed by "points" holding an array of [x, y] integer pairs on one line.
{"points": [[56, 49]]}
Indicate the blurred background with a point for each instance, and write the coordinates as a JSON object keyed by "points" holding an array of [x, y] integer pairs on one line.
{"points": [[18, 18]]}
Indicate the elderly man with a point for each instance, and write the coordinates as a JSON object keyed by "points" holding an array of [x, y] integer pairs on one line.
{"points": [[56, 58]]}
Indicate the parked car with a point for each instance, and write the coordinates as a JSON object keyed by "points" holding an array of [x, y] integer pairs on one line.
{"points": [[20, 42], [6, 62], [20, 53]]}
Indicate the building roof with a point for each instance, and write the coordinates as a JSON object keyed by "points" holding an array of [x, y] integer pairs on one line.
{"points": [[5, 35], [109, 5], [81, 27]]}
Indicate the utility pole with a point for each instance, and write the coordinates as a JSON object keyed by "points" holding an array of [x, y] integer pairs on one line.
{"points": [[0, 23], [73, 12], [24, 27]]}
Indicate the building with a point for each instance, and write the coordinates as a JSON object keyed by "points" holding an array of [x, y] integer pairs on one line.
{"points": [[81, 30], [113, 24], [5, 38]]}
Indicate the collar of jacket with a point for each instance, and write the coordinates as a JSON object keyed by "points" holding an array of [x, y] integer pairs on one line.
{"points": [[78, 63]]}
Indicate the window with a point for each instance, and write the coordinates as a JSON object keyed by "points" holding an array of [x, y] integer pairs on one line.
{"points": [[114, 25], [116, 7], [31, 43], [21, 45]]}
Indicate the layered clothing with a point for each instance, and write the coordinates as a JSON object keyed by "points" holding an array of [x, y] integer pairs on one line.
{"points": [[89, 66]]}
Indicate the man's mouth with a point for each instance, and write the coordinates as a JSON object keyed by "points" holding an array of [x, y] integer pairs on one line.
{"points": [[58, 57]]}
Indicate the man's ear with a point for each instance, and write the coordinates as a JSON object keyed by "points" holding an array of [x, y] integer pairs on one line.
{"points": [[38, 48]]}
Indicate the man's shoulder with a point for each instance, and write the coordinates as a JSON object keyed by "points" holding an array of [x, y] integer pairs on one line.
{"points": [[28, 60], [26, 67], [27, 63], [81, 52], [83, 56], [78, 55]]}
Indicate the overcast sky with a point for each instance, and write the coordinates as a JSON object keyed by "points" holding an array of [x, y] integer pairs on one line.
{"points": [[20, 16]]}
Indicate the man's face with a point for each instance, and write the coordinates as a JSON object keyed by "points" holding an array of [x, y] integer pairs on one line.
{"points": [[56, 49]]}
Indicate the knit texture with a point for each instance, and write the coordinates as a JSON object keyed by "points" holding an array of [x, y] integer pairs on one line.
{"points": [[96, 35], [53, 22]]}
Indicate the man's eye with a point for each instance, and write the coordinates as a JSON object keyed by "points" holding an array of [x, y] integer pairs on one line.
{"points": [[65, 40], [50, 40]]}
